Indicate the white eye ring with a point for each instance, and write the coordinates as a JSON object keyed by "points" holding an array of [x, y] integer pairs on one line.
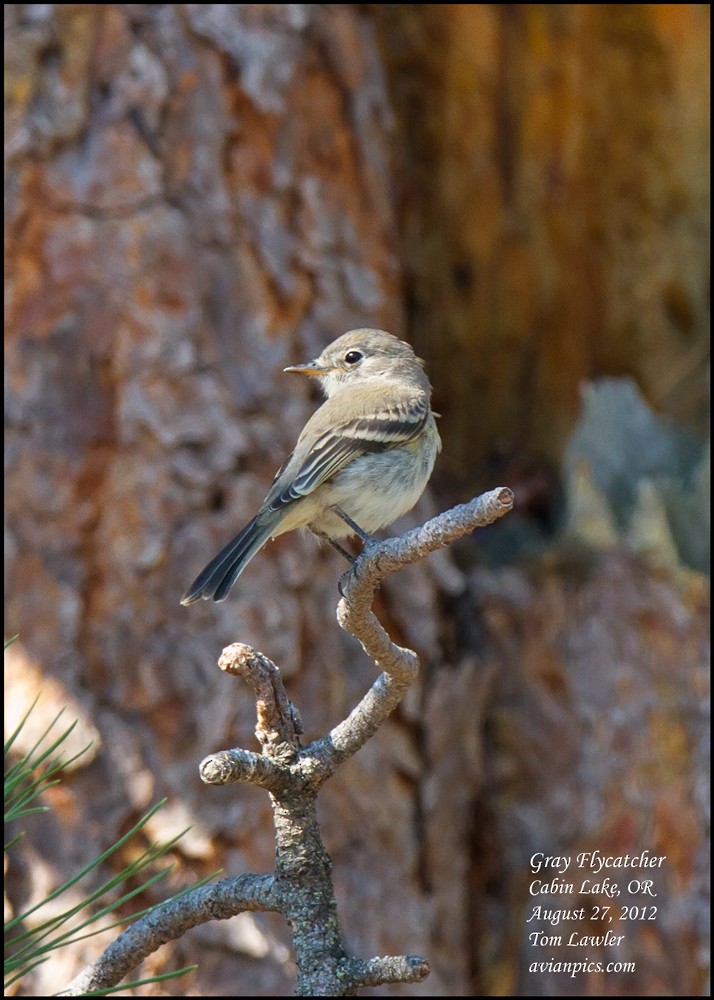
{"points": [[352, 357]]}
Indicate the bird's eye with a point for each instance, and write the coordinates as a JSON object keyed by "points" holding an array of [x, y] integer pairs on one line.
{"points": [[352, 357]]}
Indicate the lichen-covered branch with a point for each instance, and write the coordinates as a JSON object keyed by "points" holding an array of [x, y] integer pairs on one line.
{"points": [[301, 888], [170, 920], [356, 617]]}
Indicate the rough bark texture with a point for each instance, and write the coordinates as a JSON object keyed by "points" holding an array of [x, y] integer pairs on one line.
{"points": [[198, 195], [600, 674]]}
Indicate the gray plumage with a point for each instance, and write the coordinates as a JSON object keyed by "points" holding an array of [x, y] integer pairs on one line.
{"points": [[368, 450]]}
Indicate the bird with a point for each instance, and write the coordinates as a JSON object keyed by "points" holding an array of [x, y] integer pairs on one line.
{"points": [[363, 458]]}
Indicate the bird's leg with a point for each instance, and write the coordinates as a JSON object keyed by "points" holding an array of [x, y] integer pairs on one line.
{"points": [[366, 539], [335, 545], [352, 524]]}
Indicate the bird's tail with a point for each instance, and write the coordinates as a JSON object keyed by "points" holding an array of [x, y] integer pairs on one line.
{"points": [[215, 581]]}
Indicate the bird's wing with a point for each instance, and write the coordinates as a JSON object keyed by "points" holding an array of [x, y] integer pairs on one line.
{"points": [[336, 447]]}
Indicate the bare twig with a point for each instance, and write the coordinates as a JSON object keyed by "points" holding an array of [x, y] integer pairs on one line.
{"points": [[301, 888], [278, 720], [170, 920], [356, 617]]}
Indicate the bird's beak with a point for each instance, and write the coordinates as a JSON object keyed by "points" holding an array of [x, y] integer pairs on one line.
{"points": [[311, 368]]}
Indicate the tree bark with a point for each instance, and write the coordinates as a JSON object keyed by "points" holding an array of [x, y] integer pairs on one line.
{"points": [[200, 194]]}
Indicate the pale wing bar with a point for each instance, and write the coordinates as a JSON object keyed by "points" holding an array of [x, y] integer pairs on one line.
{"points": [[336, 449]]}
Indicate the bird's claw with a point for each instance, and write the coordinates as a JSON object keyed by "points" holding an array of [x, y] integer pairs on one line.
{"points": [[344, 579]]}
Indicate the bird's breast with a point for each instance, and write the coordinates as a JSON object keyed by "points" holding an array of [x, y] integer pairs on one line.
{"points": [[379, 487]]}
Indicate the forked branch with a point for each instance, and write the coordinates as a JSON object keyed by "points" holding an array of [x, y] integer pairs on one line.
{"points": [[301, 887]]}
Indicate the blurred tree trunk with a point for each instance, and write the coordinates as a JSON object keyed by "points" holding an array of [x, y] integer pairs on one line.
{"points": [[553, 178], [198, 195]]}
